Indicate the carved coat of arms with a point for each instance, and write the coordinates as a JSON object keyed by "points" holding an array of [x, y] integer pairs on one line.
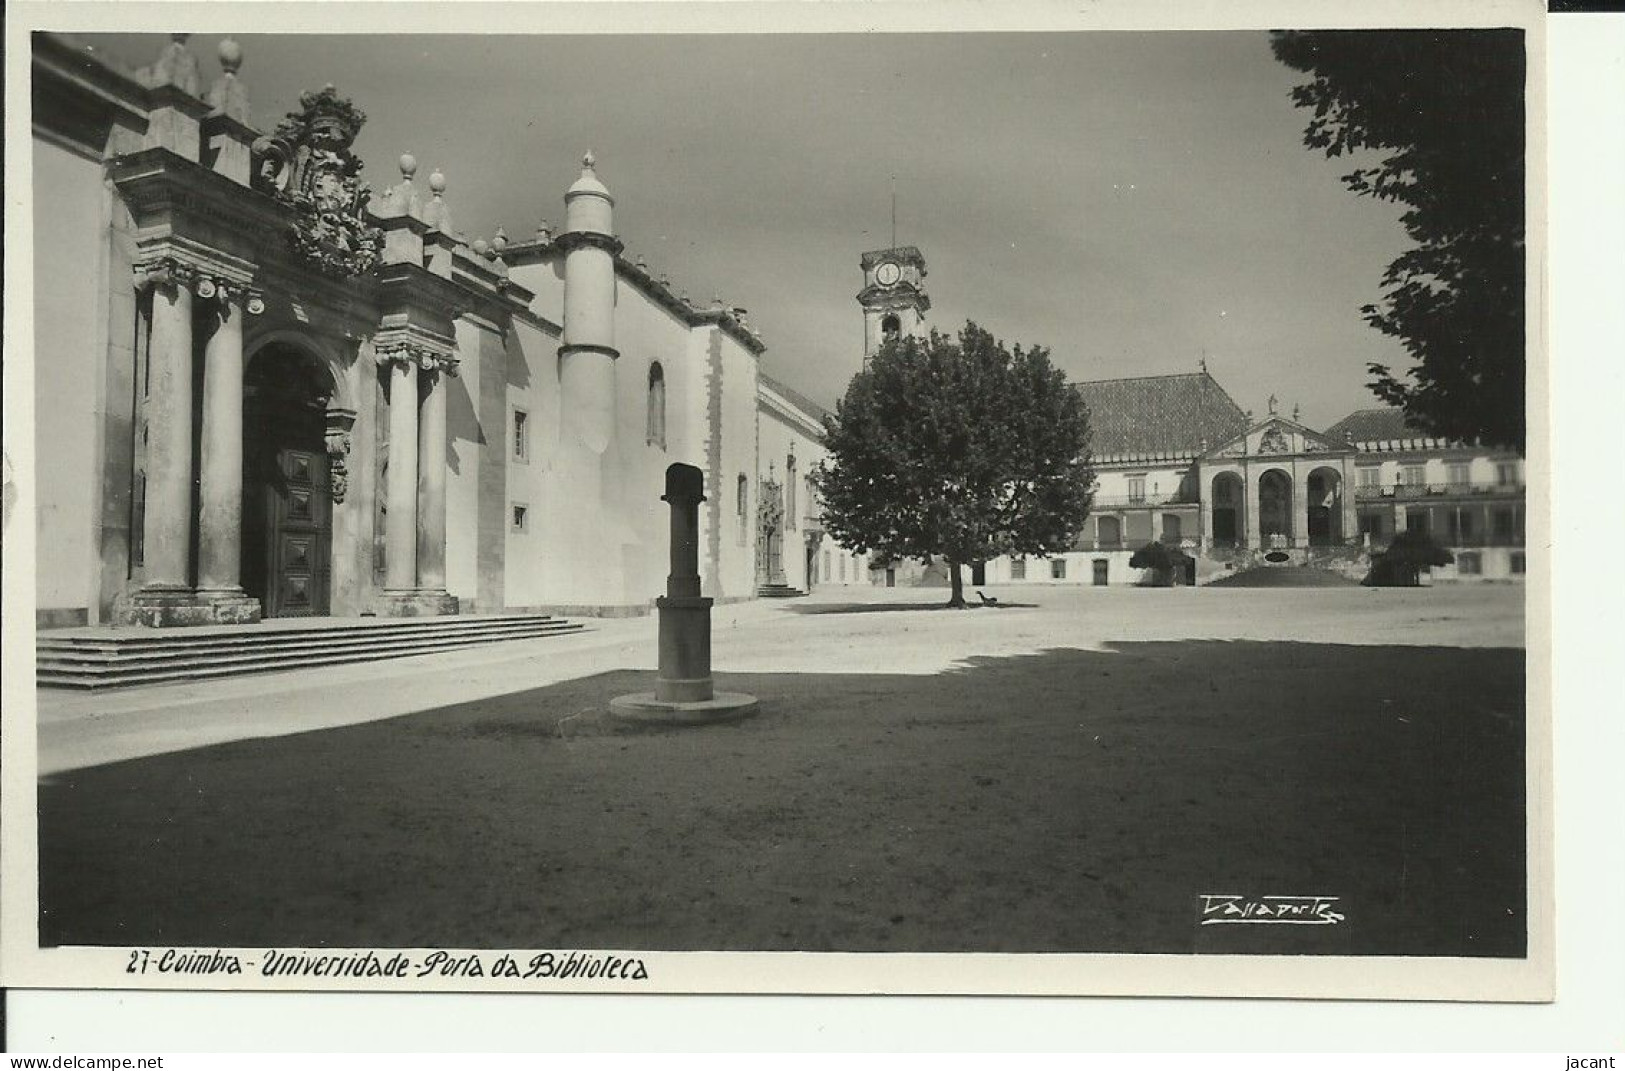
{"points": [[307, 164]]}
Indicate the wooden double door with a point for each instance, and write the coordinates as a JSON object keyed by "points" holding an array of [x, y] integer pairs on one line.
{"points": [[287, 510]]}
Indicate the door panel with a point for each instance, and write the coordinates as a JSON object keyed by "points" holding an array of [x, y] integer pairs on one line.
{"points": [[300, 513]]}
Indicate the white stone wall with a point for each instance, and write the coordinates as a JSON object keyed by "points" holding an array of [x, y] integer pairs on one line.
{"points": [[71, 284]]}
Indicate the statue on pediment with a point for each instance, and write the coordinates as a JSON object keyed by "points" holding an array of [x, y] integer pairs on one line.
{"points": [[306, 163]]}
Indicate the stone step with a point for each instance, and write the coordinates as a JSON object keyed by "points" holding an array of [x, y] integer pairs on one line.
{"points": [[91, 668], [779, 591], [278, 629]]}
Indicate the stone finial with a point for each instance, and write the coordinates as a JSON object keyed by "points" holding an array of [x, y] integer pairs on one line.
{"points": [[1294, 412], [683, 297], [435, 212], [408, 165], [544, 231], [481, 248], [717, 305], [228, 96], [588, 160], [175, 66], [499, 242], [641, 264]]}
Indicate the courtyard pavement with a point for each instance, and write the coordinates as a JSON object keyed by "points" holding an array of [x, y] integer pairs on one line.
{"points": [[836, 629], [1069, 771]]}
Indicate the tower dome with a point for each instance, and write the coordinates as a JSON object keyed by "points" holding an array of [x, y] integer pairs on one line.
{"points": [[588, 205]]}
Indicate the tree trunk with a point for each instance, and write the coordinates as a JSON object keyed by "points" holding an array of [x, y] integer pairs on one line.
{"points": [[956, 600]]}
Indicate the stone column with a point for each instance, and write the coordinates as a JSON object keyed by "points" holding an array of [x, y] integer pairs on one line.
{"points": [[167, 524], [431, 490], [1250, 494], [401, 489], [220, 524], [1300, 507]]}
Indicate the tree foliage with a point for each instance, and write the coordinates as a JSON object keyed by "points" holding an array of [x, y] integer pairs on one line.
{"points": [[1161, 560], [1444, 111], [1402, 563], [956, 448]]}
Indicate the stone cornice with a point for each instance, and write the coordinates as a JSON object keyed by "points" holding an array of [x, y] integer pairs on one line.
{"points": [[900, 296], [412, 286], [61, 65], [774, 403], [537, 252], [220, 123], [572, 240], [169, 193]]}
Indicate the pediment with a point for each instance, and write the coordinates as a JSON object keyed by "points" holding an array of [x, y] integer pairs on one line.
{"points": [[1274, 436]]}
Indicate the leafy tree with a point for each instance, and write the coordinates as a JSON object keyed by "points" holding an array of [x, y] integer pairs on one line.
{"points": [[1443, 110], [1162, 560], [1402, 563], [958, 448]]}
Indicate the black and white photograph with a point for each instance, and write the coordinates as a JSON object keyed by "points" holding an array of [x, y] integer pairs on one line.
{"points": [[1050, 508]]}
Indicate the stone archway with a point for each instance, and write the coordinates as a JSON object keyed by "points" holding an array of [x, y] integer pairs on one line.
{"points": [[1325, 493], [289, 480], [1229, 510], [1275, 508]]}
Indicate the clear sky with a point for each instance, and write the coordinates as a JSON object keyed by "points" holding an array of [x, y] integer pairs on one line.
{"points": [[1128, 199]]}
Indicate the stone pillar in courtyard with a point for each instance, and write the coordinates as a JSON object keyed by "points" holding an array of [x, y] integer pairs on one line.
{"points": [[220, 480], [684, 692]]}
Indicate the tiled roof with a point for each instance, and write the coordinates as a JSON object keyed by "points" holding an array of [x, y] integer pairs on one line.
{"points": [[795, 398], [1159, 415], [1369, 425]]}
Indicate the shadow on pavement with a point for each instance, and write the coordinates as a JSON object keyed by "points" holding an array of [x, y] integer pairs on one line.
{"points": [[903, 607], [1066, 800]]}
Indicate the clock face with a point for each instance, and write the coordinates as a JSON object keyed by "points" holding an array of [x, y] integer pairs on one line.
{"points": [[888, 274]]}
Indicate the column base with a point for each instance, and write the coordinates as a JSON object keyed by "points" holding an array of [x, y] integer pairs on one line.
{"points": [[418, 602], [171, 607], [231, 606], [645, 708]]}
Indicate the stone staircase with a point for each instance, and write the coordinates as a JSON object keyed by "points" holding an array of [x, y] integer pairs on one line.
{"points": [[779, 591], [89, 658]]}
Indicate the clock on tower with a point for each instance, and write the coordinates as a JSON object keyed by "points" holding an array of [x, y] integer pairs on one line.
{"points": [[893, 296]]}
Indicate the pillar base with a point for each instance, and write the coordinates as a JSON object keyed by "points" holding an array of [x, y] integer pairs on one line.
{"points": [[644, 708], [170, 607], [231, 606], [418, 602]]}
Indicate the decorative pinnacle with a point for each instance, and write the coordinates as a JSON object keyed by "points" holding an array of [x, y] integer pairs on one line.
{"points": [[437, 182], [499, 242], [409, 166], [588, 160], [640, 264], [231, 55]]}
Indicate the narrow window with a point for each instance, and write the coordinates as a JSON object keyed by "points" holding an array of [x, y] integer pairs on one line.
{"points": [[1136, 488], [1456, 474], [655, 433], [1506, 473], [521, 435], [521, 517], [1413, 475], [1018, 569], [1518, 564], [1057, 569]]}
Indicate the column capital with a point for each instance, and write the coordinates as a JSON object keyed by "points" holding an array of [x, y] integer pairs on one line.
{"points": [[399, 348]]}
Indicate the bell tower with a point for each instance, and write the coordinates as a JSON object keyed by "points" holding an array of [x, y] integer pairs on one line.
{"points": [[893, 296]]}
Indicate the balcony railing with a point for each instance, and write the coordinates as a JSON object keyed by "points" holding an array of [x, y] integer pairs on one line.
{"points": [[1409, 491], [1175, 498]]}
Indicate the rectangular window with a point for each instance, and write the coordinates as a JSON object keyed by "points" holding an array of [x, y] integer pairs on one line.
{"points": [[1416, 520], [1467, 564], [1018, 568], [1518, 564], [521, 517], [1506, 473], [521, 435], [1502, 520], [1456, 473], [1413, 475], [1057, 569], [1368, 476], [1136, 488]]}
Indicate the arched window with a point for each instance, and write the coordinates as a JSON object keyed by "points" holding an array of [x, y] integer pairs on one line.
{"points": [[790, 491], [890, 325], [655, 432]]}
